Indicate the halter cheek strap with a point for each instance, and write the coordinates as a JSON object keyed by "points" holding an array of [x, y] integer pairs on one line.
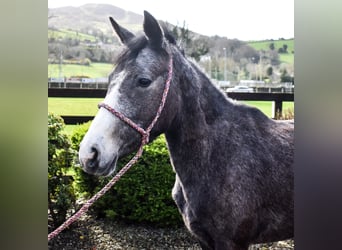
{"points": [[144, 133]]}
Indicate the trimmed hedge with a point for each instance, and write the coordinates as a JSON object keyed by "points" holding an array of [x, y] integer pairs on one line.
{"points": [[143, 194], [61, 195]]}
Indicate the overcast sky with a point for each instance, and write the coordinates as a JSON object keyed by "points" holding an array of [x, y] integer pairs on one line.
{"points": [[241, 19]]}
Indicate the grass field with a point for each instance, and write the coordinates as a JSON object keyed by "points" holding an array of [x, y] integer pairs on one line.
{"points": [[267, 108], [88, 106], [265, 45], [73, 106], [62, 33], [286, 58], [95, 70]]}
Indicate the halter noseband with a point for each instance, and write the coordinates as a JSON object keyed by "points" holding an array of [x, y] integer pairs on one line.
{"points": [[144, 133]]}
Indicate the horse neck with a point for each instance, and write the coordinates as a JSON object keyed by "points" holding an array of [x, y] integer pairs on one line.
{"points": [[200, 110], [201, 103]]}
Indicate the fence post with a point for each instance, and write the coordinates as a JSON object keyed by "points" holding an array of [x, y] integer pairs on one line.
{"points": [[277, 108]]}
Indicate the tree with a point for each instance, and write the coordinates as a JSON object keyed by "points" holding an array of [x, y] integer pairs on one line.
{"points": [[182, 35], [199, 47], [246, 51], [273, 57], [269, 71], [272, 46], [285, 48], [194, 47], [285, 77]]}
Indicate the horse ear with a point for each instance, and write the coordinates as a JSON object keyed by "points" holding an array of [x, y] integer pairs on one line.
{"points": [[124, 35], [153, 30]]}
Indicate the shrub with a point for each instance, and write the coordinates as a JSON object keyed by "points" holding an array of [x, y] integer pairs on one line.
{"points": [[143, 194], [61, 196]]}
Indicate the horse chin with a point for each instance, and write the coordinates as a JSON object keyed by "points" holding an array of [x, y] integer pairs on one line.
{"points": [[109, 169], [113, 166], [104, 170]]}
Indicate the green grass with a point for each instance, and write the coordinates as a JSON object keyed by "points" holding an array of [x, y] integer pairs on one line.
{"points": [[266, 106], [95, 70], [73, 106], [265, 45], [64, 33], [286, 58]]}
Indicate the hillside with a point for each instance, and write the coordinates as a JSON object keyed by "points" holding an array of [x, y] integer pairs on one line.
{"points": [[94, 16], [68, 33], [265, 45]]}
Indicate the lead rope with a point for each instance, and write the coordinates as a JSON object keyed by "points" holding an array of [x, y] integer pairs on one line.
{"points": [[144, 140]]}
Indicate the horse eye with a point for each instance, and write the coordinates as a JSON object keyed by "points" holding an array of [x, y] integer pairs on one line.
{"points": [[144, 82]]}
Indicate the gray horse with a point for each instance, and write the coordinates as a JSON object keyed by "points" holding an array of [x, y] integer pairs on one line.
{"points": [[233, 165]]}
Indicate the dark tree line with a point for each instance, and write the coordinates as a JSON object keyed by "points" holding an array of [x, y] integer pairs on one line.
{"points": [[197, 45]]}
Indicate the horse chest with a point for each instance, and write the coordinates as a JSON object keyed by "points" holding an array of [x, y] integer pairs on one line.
{"points": [[192, 202], [181, 198]]}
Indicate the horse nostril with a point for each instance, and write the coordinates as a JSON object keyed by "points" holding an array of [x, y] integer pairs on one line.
{"points": [[94, 151], [91, 160]]}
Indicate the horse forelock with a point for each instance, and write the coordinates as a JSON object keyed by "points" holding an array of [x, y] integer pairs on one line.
{"points": [[134, 46], [138, 43]]}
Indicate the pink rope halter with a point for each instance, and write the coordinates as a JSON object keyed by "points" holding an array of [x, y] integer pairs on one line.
{"points": [[145, 134]]}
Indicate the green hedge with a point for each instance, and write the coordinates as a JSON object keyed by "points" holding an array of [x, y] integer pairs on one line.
{"points": [[143, 194], [61, 195]]}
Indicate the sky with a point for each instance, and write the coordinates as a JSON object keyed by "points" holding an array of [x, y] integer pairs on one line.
{"points": [[242, 19]]}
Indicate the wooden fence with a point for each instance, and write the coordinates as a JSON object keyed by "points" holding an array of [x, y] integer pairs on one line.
{"points": [[277, 98]]}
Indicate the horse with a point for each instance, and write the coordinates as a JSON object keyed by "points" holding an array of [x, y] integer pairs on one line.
{"points": [[233, 165]]}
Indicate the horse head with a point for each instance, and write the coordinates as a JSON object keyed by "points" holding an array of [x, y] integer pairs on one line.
{"points": [[135, 89]]}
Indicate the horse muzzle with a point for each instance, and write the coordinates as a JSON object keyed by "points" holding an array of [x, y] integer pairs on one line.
{"points": [[95, 162]]}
